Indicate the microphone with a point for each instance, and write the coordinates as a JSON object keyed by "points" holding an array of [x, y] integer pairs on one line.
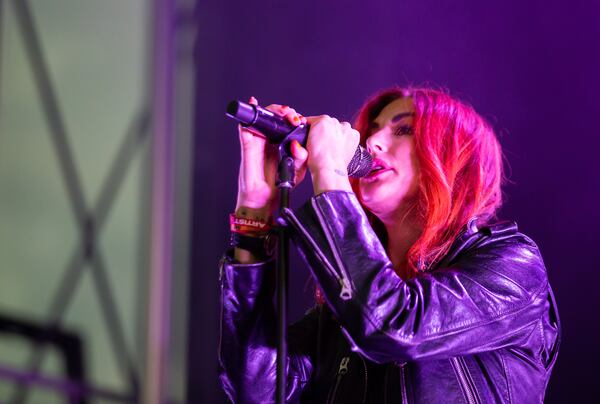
{"points": [[276, 128]]}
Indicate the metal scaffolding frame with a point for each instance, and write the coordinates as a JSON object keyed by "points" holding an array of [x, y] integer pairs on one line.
{"points": [[91, 219], [169, 129]]}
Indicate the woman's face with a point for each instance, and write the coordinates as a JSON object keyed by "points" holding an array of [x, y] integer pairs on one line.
{"points": [[394, 181]]}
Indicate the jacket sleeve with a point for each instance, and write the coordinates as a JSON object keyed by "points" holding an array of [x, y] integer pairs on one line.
{"points": [[247, 348], [490, 297]]}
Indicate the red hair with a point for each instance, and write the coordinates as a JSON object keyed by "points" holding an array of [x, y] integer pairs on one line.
{"points": [[460, 169]]}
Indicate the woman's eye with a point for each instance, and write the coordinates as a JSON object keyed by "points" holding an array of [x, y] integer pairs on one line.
{"points": [[404, 130]]}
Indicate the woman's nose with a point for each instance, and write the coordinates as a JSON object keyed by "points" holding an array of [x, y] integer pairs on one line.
{"points": [[375, 143]]}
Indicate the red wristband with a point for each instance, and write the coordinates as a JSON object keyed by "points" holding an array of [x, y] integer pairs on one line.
{"points": [[245, 225]]}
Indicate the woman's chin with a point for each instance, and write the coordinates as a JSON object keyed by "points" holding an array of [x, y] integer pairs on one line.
{"points": [[384, 200], [372, 192], [373, 198]]}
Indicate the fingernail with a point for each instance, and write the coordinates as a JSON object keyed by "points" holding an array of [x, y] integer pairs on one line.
{"points": [[296, 119]]}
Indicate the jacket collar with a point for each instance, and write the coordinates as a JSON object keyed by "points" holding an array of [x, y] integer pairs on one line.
{"points": [[466, 238]]}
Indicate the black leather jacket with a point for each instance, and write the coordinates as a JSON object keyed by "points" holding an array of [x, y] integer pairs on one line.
{"points": [[480, 327]]}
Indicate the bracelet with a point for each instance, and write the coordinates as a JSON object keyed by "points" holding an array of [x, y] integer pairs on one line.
{"points": [[245, 225], [262, 247]]}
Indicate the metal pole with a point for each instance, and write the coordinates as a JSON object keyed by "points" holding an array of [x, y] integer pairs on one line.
{"points": [[161, 245], [285, 183]]}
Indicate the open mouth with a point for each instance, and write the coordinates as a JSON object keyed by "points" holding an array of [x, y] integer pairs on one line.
{"points": [[378, 167]]}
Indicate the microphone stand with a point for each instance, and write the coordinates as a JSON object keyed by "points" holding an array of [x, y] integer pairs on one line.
{"points": [[360, 165], [285, 183]]}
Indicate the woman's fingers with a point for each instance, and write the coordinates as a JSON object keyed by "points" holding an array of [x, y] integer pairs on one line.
{"points": [[285, 111], [290, 114], [319, 118], [332, 123], [299, 153], [282, 110], [331, 144]]}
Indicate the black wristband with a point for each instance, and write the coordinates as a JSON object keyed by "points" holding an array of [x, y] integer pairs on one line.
{"points": [[262, 247]]}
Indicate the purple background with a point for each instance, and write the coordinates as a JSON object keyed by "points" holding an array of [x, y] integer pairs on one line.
{"points": [[530, 67]]}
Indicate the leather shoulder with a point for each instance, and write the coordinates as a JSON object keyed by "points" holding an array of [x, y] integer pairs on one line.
{"points": [[500, 238], [500, 229]]}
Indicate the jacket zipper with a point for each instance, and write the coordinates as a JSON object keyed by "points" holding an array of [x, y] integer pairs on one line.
{"points": [[403, 383], [385, 384], [465, 380], [220, 347], [221, 265], [346, 291], [366, 379], [343, 369]]}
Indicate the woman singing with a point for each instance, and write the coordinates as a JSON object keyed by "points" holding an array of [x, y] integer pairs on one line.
{"points": [[422, 297]]}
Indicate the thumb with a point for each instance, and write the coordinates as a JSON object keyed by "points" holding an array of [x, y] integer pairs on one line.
{"points": [[299, 153]]}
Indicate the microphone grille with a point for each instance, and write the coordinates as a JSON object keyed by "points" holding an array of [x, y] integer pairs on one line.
{"points": [[361, 163]]}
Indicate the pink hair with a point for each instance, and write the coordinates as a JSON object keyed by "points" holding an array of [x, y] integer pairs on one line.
{"points": [[460, 169]]}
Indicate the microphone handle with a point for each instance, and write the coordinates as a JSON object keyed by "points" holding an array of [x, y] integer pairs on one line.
{"points": [[276, 128]]}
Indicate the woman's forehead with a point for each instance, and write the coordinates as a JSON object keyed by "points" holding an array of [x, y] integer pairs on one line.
{"points": [[394, 112]]}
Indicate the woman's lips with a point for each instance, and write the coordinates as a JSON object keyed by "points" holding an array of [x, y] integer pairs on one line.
{"points": [[377, 173], [379, 167]]}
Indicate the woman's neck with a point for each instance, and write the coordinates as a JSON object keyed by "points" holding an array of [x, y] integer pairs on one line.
{"points": [[403, 230]]}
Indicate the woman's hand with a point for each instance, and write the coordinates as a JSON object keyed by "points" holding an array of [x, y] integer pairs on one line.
{"points": [[257, 192], [331, 145]]}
